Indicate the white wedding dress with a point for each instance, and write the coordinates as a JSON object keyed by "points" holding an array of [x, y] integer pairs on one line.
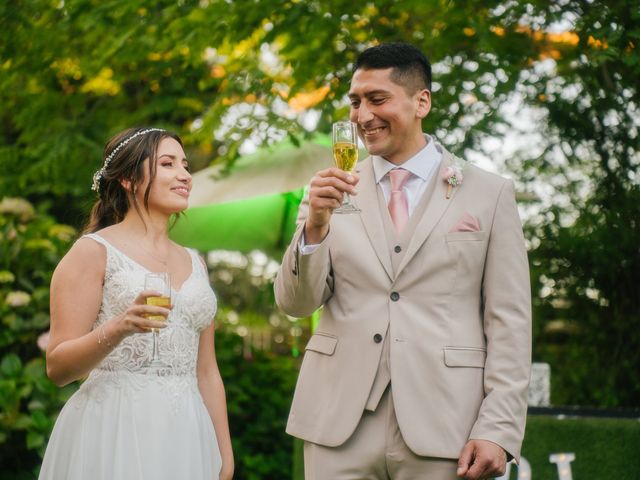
{"points": [[128, 421]]}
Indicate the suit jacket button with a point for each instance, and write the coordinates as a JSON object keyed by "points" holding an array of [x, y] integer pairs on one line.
{"points": [[395, 296], [397, 249], [377, 338]]}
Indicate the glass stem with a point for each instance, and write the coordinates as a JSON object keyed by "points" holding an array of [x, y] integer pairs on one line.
{"points": [[155, 345]]}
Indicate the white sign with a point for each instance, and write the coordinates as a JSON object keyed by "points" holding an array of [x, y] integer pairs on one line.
{"points": [[562, 461]]}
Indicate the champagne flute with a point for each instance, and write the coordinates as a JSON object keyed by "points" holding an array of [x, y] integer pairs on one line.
{"points": [[345, 154], [159, 282]]}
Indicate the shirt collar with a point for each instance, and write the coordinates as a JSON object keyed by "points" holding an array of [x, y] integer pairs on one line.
{"points": [[421, 164]]}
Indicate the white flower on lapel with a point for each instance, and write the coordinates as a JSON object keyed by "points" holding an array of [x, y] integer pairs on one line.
{"points": [[452, 175]]}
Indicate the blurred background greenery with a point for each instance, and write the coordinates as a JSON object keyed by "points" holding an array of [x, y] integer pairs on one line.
{"points": [[544, 92]]}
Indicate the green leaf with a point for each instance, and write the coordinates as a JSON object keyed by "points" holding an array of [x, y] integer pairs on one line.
{"points": [[35, 369], [35, 440], [40, 421], [23, 422], [11, 365]]}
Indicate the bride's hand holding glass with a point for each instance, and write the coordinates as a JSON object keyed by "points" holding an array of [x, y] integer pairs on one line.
{"points": [[139, 317]]}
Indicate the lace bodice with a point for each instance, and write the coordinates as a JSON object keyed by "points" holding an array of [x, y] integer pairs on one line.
{"points": [[193, 310]]}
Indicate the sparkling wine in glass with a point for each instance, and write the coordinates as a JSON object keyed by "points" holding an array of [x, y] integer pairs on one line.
{"points": [[161, 283], [345, 154]]}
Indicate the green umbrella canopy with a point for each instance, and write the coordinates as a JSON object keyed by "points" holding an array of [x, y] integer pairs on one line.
{"points": [[255, 206]]}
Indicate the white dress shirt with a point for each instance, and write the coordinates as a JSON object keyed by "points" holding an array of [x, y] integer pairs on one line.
{"points": [[423, 165]]}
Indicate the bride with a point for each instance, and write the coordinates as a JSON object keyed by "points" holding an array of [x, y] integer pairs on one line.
{"points": [[131, 419]]}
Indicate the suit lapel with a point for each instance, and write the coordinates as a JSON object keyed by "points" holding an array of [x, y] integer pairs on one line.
{"points": [[367, 201], [436, 207]]}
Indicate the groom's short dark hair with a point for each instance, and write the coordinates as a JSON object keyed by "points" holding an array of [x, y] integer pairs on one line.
{"points": [[411, 68]]}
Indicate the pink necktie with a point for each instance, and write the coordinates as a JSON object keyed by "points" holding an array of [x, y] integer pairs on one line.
{"points": [[398, 204]]}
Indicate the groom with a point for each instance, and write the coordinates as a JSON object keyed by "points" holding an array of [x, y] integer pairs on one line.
{"points": [[420, 364]]}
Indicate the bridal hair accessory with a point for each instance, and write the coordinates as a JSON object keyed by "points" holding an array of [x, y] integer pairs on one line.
{"points": [[98, 175], [452, 175]]}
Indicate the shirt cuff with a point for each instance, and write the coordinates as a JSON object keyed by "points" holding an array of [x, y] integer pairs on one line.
{"points": [[306, 249]]}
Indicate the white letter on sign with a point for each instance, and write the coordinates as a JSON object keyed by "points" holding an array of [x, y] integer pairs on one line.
{"points": [[563, 462]]}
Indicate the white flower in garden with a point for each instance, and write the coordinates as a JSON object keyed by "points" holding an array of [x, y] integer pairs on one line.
{"points": [[43, 341], [17, 206], [17, 299]]}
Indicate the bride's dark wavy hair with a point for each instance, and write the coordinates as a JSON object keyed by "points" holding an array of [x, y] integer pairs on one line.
{"points": [[127, 165]]}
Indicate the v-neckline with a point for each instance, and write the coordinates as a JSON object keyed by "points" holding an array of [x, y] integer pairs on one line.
{"points": [[176, 290]]}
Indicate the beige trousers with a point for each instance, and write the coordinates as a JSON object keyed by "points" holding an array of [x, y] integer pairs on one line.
{"points": [[375, 451]]}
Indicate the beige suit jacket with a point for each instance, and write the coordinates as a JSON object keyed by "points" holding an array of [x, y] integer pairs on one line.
{"points": [[457, 309]]}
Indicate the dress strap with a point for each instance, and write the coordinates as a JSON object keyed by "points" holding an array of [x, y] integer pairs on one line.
{"points": [[97, 238], [112, 260], [111, 250], [196, 262]]}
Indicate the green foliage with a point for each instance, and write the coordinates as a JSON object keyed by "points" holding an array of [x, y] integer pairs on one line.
{"points": [[586, 256], [74, 73], [259, 381], [244, 285], [604, 447], [31, 244], [259, 392], [69, 80]]}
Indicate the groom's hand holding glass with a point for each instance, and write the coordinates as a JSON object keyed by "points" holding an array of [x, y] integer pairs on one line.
{"points": [[329, 188], [326, 192]]}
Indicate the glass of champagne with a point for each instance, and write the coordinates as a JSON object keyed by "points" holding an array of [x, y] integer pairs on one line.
{"points": [[161, 283], [345, 154]]}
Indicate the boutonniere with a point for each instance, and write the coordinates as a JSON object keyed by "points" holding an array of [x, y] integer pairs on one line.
{"points": [[452, 175]]}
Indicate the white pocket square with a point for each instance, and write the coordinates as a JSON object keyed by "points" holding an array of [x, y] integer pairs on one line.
{"points": [[467, 223]]}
